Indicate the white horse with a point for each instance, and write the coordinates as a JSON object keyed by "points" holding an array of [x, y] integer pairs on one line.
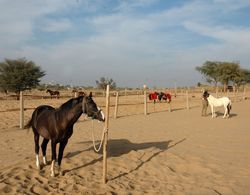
{"points": [[217, 102]]}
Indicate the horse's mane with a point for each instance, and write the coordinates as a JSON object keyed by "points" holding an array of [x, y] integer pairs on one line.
{"points": [[71, 103]]}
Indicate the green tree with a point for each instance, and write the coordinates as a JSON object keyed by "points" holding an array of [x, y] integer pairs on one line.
{"points": [[230, 71], [246, 75], [103, 82], [18, 75], [210, 70], [224, 72]]}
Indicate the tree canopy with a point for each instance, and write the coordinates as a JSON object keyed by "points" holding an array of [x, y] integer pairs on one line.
{"points": [[210, 71], [224, 72], [103, 82], [18, 75]]}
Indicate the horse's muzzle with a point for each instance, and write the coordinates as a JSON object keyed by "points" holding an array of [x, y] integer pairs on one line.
{"points": [[99, 116]]}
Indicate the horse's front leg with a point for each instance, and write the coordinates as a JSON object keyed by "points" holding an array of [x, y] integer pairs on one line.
{"points": [[44, 147], [60, 155], [53, 150], [225, 112], [212, 110], [36, 139]]}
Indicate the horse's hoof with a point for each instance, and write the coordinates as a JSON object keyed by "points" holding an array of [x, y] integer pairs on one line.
{"points": [[44, 161], [61, 173], [38, 166], [52, 174]]}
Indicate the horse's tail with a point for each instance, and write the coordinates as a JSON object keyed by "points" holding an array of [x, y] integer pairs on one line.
{"points": [[29, 124], [32, 120], [149, 96]]}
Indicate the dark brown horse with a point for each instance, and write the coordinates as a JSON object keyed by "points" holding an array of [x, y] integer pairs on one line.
{"points": [[57, 125], [53, 93], [164, 96], [81, 93], [78, 93]]}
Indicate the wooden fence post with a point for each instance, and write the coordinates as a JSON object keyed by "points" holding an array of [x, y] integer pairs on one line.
{"points": [[21, 110], [116, 104], [235, 99], [106, 137], [237, 94], [244, 93], [169, 107], [145, 102], [175, 90], [187, 98]]}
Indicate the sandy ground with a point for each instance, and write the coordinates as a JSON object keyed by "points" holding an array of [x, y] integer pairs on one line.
{"points": [[176, 152]]}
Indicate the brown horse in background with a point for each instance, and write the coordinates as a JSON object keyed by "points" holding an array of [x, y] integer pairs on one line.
{"points": [[55, 94], [78, 93], [57, 125]]}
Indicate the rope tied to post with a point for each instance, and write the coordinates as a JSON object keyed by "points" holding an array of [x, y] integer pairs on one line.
{"points": [[105, 130]]}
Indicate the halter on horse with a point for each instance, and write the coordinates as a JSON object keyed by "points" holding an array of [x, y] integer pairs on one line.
{"points": [[57, 125], [217, 102]]}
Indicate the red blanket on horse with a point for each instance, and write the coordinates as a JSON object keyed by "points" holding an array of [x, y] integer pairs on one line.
{"points": [[153, 96]]}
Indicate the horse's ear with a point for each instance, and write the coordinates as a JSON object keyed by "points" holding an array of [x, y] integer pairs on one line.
{"points": [[90, 94]]}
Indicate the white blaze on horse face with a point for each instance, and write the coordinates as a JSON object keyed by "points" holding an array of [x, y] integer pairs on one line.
{"points": [[103, 117]]}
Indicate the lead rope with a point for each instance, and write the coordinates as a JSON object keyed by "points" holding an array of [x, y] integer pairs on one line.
{"points": [[93, 137]]}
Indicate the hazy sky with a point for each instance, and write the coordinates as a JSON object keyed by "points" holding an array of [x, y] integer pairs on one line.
{"points": [[156, 42]]}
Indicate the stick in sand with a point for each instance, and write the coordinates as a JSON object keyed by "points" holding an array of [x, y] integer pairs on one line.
{"points": [[106, 137]]}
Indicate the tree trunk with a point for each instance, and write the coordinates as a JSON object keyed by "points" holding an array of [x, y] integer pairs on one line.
{"points": [[18, 95], [224, 87]]}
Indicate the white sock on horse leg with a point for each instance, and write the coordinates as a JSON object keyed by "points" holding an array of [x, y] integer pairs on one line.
{"points": [[37, 161], [44, 160], [53, 168], [60, 171]]}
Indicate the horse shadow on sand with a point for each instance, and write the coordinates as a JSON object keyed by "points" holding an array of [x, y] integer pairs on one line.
{"points": [[221, 114], [119, 147]]}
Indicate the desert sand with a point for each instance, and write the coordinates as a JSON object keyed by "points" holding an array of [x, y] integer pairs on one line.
{"points": [[164, 152]]}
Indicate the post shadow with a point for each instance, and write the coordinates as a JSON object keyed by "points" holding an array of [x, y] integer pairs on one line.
{"points": [[163, 146], [119, 147]]}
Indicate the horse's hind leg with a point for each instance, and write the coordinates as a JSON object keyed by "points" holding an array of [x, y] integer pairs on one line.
{"points": [[53, 150], [60, 155], [228, 110], [36, 139], [212, 110], [44, 147]]}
